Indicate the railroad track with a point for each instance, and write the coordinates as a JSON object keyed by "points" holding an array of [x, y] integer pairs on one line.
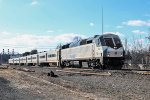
{"points": [[134, 71], [86, 73], [89, 71], [106, 72]]}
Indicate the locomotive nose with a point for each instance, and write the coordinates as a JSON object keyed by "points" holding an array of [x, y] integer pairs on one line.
{"points": [[114, 52]]}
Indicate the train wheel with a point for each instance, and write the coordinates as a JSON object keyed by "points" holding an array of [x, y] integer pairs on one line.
{"points": [[67, 64], [62, 65], [80, 64], [93, 64], [89, 64], [98, 64]]}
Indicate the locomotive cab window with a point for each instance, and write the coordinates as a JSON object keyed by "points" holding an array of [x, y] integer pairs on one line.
{"points": [[109, 42], [101, 40], [117, 42]]}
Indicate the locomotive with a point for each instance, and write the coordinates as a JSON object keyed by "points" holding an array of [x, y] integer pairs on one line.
{"points": [[101, 51]]}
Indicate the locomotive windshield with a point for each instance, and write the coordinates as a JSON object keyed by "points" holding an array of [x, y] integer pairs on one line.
{"points": [[109, 42], [117, 42]]}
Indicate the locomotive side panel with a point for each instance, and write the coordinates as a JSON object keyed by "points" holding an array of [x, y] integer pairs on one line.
{"points": [[78, 53]]}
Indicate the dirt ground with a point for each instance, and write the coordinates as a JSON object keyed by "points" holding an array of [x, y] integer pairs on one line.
{"points": [[36, 85], [15, 85]]}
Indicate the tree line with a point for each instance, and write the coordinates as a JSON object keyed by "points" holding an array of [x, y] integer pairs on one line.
{"points": [[30, 53]]}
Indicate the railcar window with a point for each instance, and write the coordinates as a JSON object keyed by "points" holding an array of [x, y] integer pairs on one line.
{"points": [[33, 57], [29, 58], [109, 42], [51, 55], [42, 56], [117, 42]]}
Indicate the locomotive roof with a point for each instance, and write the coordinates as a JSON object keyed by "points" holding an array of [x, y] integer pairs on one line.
{"points": [[88, 40], [109, 34]]}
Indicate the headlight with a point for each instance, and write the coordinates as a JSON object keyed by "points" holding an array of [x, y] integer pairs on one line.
{"points": [[108, 55], [121, 54]]}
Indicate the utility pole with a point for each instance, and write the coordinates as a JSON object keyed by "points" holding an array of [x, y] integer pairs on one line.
{"points": [[102, 21], [149, 39], [149, 47]]}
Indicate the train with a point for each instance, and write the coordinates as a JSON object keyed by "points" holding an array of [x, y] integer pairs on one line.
{"points": [[100, 51]]}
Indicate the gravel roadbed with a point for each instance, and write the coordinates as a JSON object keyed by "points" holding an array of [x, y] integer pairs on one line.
{"points": [[121, 85], [16, 85]]}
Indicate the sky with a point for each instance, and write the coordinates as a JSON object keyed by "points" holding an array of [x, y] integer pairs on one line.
{"points": [[44, 24]]}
